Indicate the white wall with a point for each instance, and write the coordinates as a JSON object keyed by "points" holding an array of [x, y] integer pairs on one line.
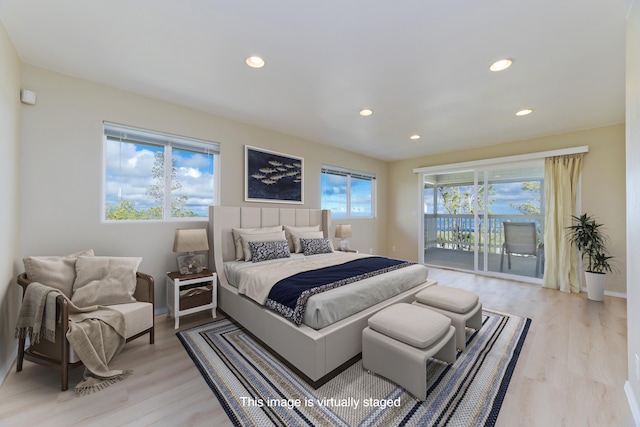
{"points": [[633, 199], [10, 116], [62, 170]]}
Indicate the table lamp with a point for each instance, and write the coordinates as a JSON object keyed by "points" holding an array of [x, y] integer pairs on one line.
{"points": [[343, 232], [191, 240]]}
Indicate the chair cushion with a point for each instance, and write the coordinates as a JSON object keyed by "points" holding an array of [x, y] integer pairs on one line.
{"points": [[58, 272], [410, 324], [138, 316], [105, 280], [447, 298]]}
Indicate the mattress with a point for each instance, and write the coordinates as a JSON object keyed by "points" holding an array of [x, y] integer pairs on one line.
{"points": [[328, 307]]}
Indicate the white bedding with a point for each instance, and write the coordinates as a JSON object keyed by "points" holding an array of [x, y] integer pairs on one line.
{"points": [[255, 280]]}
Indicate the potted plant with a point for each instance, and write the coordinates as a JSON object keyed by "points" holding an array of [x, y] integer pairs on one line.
{"points": [[587, 236]]}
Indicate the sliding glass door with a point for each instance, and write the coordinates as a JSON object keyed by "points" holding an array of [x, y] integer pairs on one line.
{"points": [[465, 212]]}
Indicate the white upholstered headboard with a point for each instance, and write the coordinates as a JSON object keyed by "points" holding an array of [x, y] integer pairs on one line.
{"points": [[223, 218]]}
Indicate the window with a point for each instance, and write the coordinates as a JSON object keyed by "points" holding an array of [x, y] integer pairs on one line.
{"points": [[155, 176], [349, 194], [464, 213]]}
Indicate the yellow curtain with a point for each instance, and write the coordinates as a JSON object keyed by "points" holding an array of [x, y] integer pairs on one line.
{"points": [[560, 187]]}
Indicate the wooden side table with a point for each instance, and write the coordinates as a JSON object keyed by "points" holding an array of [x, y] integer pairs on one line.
{"points": [[191, 293]]}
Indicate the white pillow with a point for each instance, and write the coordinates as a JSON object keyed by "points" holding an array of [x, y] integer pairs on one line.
{"points": [[105, 280], [288, 230], [307, 235], [239, 231], [260, 237]]}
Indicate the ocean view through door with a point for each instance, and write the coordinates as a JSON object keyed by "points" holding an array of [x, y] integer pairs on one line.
{"points": [[464, 216]]}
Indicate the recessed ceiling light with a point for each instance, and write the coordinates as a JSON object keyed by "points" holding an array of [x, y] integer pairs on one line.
{"points": [[255, 62], [414, 137], [366, 112], [500, 65], [524, 112]]}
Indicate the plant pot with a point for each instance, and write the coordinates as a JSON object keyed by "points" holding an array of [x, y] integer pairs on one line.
{"points": [[595, 285]]}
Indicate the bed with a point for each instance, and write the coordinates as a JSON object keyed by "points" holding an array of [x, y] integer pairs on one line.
{"points": [[319, 353]]}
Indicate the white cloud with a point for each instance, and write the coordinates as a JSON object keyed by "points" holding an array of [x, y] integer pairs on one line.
{"points": [[189, 172]]}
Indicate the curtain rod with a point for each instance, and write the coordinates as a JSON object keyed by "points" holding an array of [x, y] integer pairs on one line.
{"points": [[500, 160]]}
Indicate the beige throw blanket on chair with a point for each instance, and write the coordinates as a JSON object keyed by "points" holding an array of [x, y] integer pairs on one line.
{"points": [[38, 306], [96, 333]]}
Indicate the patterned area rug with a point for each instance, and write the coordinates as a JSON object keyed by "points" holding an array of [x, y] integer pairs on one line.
{"points": [[256, 389]]}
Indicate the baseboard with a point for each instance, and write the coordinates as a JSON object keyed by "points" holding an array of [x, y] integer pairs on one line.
{"points": [[616, 294], [622, 295], [4, 370], [610, 293], [633, 403]]}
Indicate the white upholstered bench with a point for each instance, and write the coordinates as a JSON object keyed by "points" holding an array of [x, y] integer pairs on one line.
{"points": [[401, 338], [462, 307]]}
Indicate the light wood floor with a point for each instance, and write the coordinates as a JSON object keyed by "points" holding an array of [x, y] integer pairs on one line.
{"points": [[571, 371]]}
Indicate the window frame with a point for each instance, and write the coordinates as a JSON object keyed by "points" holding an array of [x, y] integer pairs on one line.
{"points": [[486, 165], [168, 142], [349, 174]]}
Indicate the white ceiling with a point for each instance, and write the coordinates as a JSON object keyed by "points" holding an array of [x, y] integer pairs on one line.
{"points": [[421, 65]]}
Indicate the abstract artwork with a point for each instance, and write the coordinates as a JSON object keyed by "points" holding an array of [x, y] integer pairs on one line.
{"points": [[272, 177]]}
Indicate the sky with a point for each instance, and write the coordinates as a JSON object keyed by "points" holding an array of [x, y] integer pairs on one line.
{"points": [[129, 175], [334, 196], [505, 194]]}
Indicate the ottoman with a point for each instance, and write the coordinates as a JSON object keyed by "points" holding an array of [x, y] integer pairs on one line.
{"points": [[462, 307], [401, 338]]}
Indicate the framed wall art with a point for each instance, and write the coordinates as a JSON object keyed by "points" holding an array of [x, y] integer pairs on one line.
{"points": [[272, 177]]}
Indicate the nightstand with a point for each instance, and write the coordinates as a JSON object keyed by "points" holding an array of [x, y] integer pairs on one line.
{"points": [[191, 293]]}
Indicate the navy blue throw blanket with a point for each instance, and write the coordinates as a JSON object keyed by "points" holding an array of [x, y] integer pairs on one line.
{"points": [[289, 296]]}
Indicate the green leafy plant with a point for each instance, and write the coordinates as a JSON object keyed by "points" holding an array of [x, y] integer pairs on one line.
{"points": [[587, 236]]}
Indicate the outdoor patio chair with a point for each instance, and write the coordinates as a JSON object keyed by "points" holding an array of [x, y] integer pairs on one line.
{"points": [[520, 239]]}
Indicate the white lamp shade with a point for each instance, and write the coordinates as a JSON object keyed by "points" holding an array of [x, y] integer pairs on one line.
{"points": [[343, 231], [190, 240]]}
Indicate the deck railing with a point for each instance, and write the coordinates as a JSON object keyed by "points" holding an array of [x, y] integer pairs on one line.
{"points": [[458, 231]]}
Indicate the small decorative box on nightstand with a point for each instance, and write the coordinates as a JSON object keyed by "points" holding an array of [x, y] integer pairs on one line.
{"points": [[191, 293]]}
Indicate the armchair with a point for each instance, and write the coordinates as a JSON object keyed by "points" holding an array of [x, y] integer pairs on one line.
{"points": [[138, 316]]}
